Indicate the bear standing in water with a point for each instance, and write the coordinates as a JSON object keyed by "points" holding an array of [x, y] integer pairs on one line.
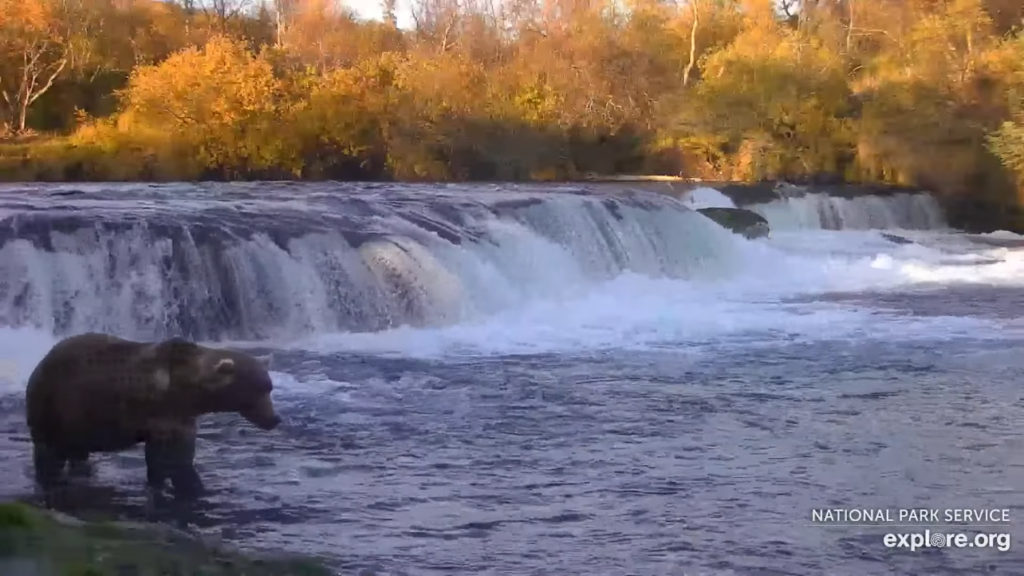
{"points": [[99, 393]]}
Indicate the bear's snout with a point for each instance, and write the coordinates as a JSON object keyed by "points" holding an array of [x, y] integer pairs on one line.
{"points": [[262, 414]]}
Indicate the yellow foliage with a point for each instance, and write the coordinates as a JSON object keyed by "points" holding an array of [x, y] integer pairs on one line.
{"points": [[338, 120], [219, 98], [219, 84], [942, 47], [779, 97], [1007, 141], [26, 17]]}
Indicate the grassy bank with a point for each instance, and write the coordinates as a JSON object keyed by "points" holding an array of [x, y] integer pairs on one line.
{"points": [[34, 542]]}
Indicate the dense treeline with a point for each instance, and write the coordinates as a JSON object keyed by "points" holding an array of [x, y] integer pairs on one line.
{"points": [[927, 92]]}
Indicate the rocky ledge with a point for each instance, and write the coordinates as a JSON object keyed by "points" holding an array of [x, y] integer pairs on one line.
{"points": [[741, 221]]}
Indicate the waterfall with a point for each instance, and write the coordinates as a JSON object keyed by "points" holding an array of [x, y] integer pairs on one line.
{"points": [[271, 260], [824, 212]]}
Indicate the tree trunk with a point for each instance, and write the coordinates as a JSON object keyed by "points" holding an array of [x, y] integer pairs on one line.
{"points": [[693, 43], [849, 28], [36, 79], [22, 116]]}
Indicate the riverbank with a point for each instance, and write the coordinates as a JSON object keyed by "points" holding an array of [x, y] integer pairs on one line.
{"points": [[35, 542]]}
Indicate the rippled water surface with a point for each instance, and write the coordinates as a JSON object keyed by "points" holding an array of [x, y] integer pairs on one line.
{"points": [[641, 426], [615, 463]]}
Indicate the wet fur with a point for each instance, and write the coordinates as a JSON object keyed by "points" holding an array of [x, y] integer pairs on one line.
{"points": [[100, 393]]}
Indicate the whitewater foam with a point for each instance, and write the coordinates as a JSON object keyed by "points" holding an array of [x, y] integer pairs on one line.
{"points": [[670, 317], [20, 350], [634, 312], [1003, 235], [562, 274], [901, 211], [638, 312]]}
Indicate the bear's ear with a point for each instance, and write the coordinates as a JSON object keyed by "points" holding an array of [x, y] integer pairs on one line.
{"points": [[225, 366], [265, 361]]}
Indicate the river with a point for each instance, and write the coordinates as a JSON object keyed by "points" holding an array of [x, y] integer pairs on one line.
{"points": [[500, 379]]}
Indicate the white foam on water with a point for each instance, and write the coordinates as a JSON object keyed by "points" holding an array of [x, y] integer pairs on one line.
{"points": [[20, 350], [667, 317], [1003, 235], [311, 384], [635, 312], [533, 295]]}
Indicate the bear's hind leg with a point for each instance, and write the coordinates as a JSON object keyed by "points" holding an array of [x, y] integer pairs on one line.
{"points": [[184, 476], [186, 481], [156, 464]]}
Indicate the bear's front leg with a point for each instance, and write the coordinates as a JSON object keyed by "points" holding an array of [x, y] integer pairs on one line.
{"points": [[170, 454], [79, 465]]}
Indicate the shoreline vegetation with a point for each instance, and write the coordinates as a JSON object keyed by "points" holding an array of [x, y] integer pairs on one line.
{"points": [[37, 542], [914, 93]]}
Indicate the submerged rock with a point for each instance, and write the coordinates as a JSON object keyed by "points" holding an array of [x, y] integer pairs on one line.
{"points": [[34, 542], [897, 239], [741, 221]]}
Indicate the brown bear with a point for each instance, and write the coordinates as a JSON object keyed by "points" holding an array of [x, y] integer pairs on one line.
{"points": [[100, 393]]}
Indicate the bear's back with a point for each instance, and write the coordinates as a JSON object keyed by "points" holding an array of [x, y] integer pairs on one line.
{"points": [[81, 358], [85, 381]]}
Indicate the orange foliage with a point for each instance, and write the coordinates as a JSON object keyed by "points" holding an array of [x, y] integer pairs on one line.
{"points": [[919, 91]]}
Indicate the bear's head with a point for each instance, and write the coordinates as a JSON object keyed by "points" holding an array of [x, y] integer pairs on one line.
{"points": [[216, 380]]}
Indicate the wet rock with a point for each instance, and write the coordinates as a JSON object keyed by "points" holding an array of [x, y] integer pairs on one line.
{"points": [[741, 221], [897, 239]]}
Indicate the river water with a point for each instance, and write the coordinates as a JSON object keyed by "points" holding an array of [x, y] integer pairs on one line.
{"points": [[550, 380]]}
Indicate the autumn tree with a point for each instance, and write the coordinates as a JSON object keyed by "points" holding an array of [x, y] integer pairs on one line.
{"points": [[919, 118], [1007, 142], [221, 99], [320, 33], [36, 47], [773, 103], [344, 128]]}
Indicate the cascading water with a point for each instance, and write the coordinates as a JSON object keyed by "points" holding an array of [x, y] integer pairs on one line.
{"points": [[240, 264], [819, 211]]}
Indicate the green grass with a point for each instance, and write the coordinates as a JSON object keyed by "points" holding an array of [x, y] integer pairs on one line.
{"points": [[36, 543]]}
